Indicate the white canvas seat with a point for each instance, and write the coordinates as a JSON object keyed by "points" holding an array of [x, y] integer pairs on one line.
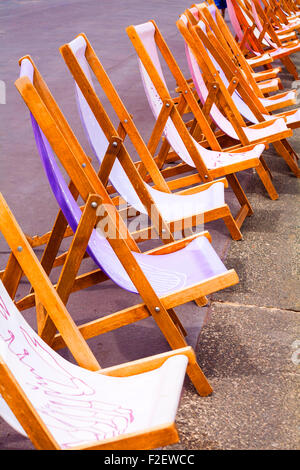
{"points": [[260, 60]]}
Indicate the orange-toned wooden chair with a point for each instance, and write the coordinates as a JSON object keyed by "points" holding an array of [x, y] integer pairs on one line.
{"points": [[146, 38], [274, 11], [205, 73], [213, 37], [265, 81], [205, 201]]}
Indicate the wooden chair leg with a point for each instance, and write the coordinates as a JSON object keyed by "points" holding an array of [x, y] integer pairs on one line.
{"points": [[12, 276], [177, 321], [266, 166], [176, 340], [266, 181], [55, 240], [41, 315]]}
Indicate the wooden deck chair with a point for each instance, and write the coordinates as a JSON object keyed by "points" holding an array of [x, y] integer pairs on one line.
{"points": [[205, 74], [178, 77], [144, 38], [268, 29], [249, 35], [263, 21], [80, 57], [200, 203], [254, 58], [168, 276], [290, 9], [60, 405], [253, 108], [264, 81]]}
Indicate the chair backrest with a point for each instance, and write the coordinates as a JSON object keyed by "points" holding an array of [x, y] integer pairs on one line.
{"points": [[62, 140], [98, 248], [235, 22], [241, 19], [146, 34], [256, 16], [144, 37], [226, 38]]}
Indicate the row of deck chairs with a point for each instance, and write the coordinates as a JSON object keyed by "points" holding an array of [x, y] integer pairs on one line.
{"points": [[218, 124]]}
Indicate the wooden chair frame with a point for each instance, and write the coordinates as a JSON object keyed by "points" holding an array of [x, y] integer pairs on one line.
{"points": [[196, 39], [277, 21], [23, 261], [225, 37], [273, 10], [148, 163], [248, 94], [225, 98], [71, 155]]}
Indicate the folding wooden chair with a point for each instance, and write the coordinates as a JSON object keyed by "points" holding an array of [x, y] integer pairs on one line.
{"points": [[249, 35], [60, 405], [263, 20], [273, 11], [252, 107], [146, 38], [271, 24], [254, 59], [264, 81], [203, 202], [205, 75], [168, 276]]}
